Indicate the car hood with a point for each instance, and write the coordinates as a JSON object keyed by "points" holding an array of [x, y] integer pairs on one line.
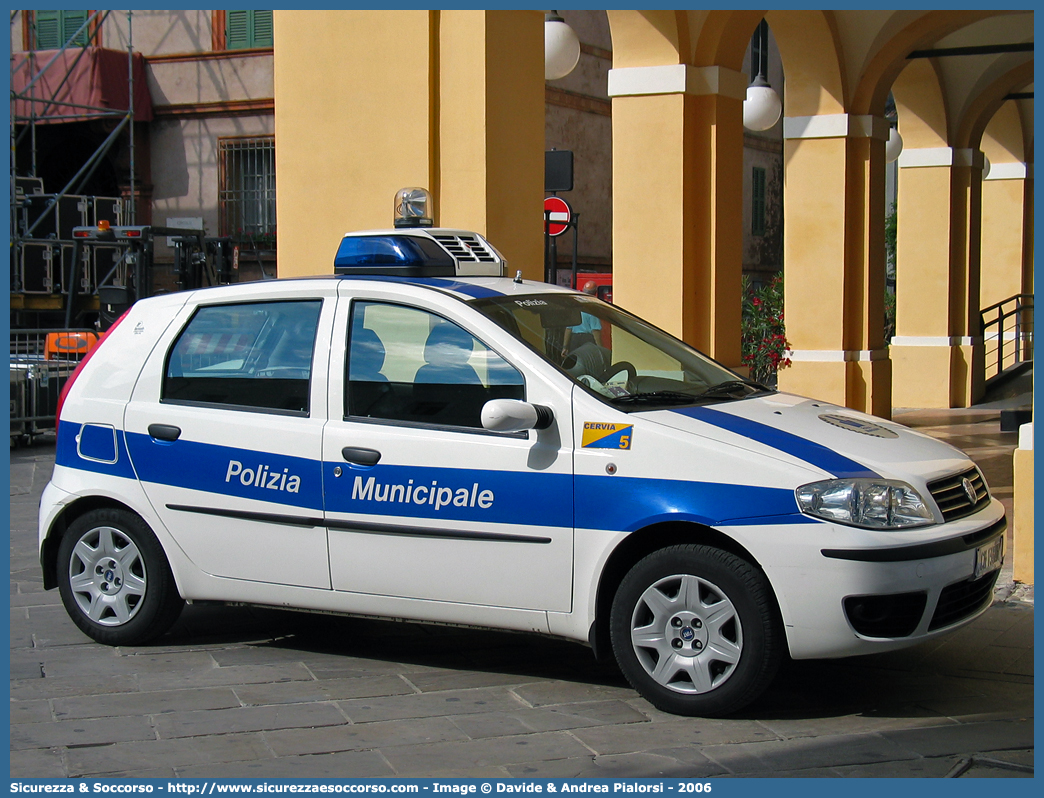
{"points": [[836, 441]]}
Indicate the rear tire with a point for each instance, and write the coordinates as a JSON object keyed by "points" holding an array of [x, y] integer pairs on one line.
{"points": [[114, 578], [695, 630]]}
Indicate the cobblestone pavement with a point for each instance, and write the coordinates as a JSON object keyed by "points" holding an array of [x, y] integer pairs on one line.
{"points": [[237, 692]]}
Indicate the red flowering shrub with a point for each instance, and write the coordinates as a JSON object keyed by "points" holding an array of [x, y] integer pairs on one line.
{"points": [[765, 346]]}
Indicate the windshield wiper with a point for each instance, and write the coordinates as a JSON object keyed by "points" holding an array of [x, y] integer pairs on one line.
{"points": [[731, 386], [655, 397]]}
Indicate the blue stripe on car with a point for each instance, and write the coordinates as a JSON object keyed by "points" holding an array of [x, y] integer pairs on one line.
{"points": [[627, 504], [208, 467], [524, 498], [814, 453]]}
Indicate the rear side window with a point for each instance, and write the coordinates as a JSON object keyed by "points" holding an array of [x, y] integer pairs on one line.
{"points": [[255, 356]]}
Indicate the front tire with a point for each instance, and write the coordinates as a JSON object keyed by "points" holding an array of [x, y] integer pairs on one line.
{"points": [[695, 630], [114, 578]]}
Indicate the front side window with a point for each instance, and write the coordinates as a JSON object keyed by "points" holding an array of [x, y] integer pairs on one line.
{"points": [[409, 365], [254, 356], [247, 192], [615, 356]]}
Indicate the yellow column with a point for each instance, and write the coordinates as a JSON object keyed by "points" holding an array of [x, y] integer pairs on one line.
{"points": [[490, 110], [834, 255], [1022, 520], [937, 348], [368, 102], [677, 201], [1006, 215]]}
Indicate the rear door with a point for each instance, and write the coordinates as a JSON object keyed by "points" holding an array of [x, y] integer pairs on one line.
{"points": [[421, 501], [225, 432]]}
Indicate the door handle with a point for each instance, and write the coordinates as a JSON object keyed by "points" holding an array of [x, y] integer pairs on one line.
{"points": [[363, 457], [164, 432]]}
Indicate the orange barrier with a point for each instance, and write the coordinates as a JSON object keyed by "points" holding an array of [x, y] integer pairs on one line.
{"points": [[68, 345]]}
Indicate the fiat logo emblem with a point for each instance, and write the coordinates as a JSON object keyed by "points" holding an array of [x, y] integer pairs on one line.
{"points": [[969, 490]]}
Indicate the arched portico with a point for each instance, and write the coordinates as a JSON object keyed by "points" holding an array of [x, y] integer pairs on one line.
{"points": [[463, 116], [938, 351], [834, 216], [677, 171]]}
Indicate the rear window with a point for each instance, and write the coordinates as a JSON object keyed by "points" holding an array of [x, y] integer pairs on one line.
{"points": [[255, 356]]}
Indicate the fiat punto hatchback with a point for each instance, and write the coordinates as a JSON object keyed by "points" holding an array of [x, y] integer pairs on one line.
{"points": [[418, 437]]}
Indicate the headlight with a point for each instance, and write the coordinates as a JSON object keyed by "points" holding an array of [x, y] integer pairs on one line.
{"points": [[870, 503]]}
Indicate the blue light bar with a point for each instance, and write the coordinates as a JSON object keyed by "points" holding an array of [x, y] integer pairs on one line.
{"points": [[403, 256]]}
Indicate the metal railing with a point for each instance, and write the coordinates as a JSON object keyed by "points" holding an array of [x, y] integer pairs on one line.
{"points": [[41, 363], [1007, 332]]}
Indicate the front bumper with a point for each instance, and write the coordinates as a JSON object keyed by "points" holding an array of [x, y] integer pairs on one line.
{"points": [[860, 598]]}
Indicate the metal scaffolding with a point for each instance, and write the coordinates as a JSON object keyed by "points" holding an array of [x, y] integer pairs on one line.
{"points": [[48, 268], [39, 105]]}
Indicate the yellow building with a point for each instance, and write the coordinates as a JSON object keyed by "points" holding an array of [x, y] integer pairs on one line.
{"points": [[454, 101]]}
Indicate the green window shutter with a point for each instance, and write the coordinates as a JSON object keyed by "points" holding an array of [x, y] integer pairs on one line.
{"points": [[262, 28], [53, 28], [245, 29], [71, 22], [237, 30], [48, 30], [757, 207]]}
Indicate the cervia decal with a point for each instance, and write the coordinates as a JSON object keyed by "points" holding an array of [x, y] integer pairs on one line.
{"points": [[405, 493], [599, 435], [263, 477]]}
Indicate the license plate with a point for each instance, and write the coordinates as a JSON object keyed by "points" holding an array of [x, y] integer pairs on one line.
{"points": [[989, 557]]}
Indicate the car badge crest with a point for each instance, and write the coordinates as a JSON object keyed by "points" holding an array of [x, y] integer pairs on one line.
{"points": [[969, 490]]}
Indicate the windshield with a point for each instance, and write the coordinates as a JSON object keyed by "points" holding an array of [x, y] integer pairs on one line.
{"points": [[615, 355]]}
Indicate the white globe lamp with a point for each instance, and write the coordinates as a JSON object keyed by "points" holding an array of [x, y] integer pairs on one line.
{"points": [[894, 145], [762, 108], [561, 47]]}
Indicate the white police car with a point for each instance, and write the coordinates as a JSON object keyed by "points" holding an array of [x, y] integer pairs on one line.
{"points": [[406, 440]]}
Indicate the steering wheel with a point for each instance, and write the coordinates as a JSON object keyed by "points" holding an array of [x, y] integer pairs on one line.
{"points": [[616, 368]]}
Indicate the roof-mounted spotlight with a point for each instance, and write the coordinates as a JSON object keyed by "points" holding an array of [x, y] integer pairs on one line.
{"points": [[413, 208]]}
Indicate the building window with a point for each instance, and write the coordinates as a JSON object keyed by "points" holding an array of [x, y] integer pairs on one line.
{"points": [[248, 29], [757, 202], [54, 29], [247, 194]]}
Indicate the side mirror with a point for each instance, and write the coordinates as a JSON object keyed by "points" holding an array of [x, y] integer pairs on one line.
{"points": [[512, 415]]}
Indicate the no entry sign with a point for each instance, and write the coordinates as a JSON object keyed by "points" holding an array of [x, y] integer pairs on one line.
{"points": [[558, 213]]}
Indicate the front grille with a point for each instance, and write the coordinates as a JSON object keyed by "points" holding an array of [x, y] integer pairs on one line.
{"points": [[953, 500], [894, 615], [466, 248], [962, 599]]}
